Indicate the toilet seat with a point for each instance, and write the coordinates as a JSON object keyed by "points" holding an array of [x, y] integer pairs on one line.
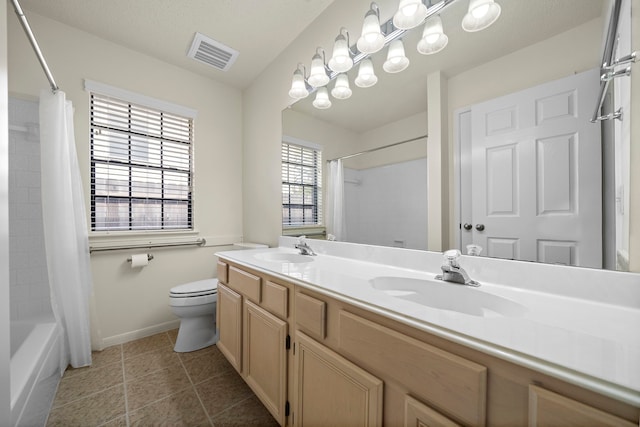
{"points": [[195, 289]]}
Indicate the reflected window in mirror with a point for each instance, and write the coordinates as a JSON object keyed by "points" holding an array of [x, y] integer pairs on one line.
{"points": [[301, 187]]}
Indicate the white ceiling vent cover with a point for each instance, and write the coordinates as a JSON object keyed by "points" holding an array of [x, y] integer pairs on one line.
{"points": [[211, 52]]}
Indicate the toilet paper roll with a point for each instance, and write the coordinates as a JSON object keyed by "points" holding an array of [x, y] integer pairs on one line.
{"points": [[139, 260]]}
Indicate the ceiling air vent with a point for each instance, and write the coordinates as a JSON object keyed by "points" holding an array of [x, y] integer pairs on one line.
{"points": [[211, 52]]}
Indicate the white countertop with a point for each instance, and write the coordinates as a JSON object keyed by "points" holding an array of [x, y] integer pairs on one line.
{"points": [[588, 342]]}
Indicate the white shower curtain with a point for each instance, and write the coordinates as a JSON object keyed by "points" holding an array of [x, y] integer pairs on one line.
{"points": [[336, 223], [65, 228]]}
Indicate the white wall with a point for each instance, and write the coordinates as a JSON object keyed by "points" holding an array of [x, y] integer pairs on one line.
{"points": [[5, 339], [30, 295], [387, 205], [335, 141], [130, 303], [634, 202], [400, 130]]}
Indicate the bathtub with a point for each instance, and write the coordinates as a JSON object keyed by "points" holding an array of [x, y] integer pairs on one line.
{"points": [[35, 370]]}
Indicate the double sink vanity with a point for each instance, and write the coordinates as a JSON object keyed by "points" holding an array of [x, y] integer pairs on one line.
{"points": [[366, 335]]}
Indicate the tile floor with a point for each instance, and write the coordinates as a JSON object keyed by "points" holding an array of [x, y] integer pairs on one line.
{"points": [[145, 383]]}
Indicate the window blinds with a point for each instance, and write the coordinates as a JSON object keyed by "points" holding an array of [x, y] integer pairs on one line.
{"points": [[141, 167], [301, 186]]}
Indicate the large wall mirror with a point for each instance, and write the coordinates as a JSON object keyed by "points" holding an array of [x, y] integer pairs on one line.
{"points": [[380, 133]]}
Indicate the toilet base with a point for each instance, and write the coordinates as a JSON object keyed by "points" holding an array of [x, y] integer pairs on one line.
{"points": [[196, 333]]}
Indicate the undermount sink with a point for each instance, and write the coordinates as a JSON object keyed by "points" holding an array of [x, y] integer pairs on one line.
{"points": [[448, 296], [284, 257]]}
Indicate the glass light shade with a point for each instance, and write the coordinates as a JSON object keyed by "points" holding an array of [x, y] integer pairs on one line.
{"points": [[366, 76], [318, 74], [481, 14], [340, 61], [433, 37], [410, 14], [341, 90], [371, 39], [298, 86], [396, 59], [322, 101]]}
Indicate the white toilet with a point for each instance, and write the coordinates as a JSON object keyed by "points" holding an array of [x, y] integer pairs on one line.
{"points": [[195, 304]]}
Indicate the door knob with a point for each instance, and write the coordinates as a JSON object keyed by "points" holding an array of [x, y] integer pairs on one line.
{"points": [[467, 226], [479, 227]]}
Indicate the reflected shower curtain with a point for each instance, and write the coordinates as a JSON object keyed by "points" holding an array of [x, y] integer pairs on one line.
{"points": [[65, 228], [336, 223]]}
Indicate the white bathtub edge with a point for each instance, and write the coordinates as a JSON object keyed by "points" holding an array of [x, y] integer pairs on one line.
{"points": [[28, 366]]}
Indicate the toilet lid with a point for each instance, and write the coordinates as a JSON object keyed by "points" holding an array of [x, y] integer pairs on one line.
{"points": [[198, 288]]}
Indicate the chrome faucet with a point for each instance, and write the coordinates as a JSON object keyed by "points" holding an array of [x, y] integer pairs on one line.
{"points": [[303, 247], [452, 272]]}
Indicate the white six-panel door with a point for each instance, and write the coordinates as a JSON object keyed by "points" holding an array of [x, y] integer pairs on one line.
{"points": [[533, 191]]}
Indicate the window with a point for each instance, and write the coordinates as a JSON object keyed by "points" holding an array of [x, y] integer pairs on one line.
{"points": [[301, 185], [141, 167]]}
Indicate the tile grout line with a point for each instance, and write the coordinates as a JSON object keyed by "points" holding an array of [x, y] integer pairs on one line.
{"points": [[124, 384], [195, 390], [82, 397], [229, 408], [151, 373]]}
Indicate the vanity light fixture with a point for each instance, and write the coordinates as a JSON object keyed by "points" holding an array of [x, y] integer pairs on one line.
{"points": [[341, 60], [341, 90], [372, 39], [366, 75], [410, 14], [433, 37], [298, 85], [318, 73], [322, 101], [481, 14], [396, 59]]}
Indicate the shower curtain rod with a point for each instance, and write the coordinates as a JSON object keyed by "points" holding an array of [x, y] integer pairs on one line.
{"points": [[379, 148], [34, 44]]}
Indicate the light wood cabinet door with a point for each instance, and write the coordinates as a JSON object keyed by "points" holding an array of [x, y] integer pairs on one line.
{"points": [[417, 414], [265, 358], [549, 409], [229, 319], [331, 391]]}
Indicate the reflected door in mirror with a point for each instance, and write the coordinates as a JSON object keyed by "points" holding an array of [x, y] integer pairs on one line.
{"points": [[535, 180]]}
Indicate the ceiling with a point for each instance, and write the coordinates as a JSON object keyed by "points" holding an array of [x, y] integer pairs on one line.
{"points": [[165, 29]]}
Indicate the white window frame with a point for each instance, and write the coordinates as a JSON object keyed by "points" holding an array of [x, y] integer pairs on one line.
{"points": [[317, 186], [145, 102]]}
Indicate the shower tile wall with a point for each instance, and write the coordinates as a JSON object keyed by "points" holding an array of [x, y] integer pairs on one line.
{"points": [[387, 205], [29, 292]]}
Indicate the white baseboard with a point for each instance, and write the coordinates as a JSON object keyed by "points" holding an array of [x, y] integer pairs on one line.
{"points": [[140, 333]]}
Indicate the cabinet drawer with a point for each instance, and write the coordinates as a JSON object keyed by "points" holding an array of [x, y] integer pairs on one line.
{"points": [[245, 283], [449, 383], [547, 408], [274, 299], [223, 272], [311, 315]]}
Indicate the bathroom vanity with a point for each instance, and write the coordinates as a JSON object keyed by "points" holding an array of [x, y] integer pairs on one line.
{"points": [[335, 340]]}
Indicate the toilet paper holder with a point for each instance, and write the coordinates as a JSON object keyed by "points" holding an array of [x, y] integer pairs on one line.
{"points": [[149, 258]]}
